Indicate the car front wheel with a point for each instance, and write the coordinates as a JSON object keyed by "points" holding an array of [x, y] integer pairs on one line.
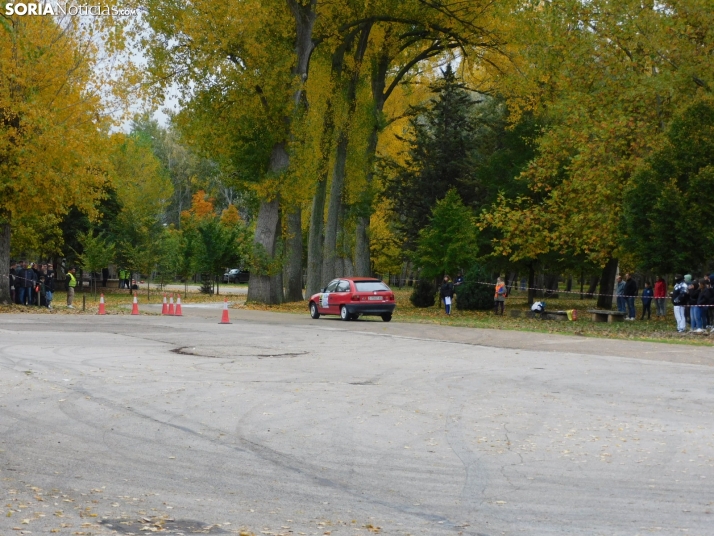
{"points": [[344, 315], [314, 313], [387, 317]]}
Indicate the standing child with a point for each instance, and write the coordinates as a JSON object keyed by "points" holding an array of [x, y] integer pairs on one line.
{"points": [[499, 296], [647, 295]]}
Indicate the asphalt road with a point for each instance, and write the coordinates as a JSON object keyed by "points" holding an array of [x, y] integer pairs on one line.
{"points": [[277, 424]]}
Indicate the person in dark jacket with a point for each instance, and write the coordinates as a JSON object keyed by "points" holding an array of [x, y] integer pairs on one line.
{"points": [[447, 293], [630, 295], [700, 310], [19, 282], [24, 282], [647, 295], [32, 279], [49, 285]]}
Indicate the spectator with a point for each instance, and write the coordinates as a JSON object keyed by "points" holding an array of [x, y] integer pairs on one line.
{"points": [[620, 292], [127, 276], [694, 291], [680, 300], [27, 280], [49, 286], [41, 289], [19, 280], [647, 294], [71, 285], [710, 310], [459, 280], [499, 296], [660, 293], [630, 295], [11, 277], [687, 309], [447, 293], [35, 283], [705, 299]]}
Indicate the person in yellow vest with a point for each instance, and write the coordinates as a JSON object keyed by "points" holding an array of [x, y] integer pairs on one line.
{"points": [[71, 285]]}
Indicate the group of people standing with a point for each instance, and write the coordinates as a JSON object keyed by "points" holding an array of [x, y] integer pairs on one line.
{"points": [[693, 300], [32, 284], [627, 292]]}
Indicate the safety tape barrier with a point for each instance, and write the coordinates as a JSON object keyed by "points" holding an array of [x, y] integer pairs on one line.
{"points": [[588, 293]]}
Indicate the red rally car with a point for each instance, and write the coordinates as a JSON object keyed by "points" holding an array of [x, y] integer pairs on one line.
{"points": [[352, 297]]}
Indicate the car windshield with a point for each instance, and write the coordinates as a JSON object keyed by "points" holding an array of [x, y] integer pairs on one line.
{"points": [[370, 286]]}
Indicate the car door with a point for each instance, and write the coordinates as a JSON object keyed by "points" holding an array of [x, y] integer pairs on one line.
{"points": [[324, 305], [340, 296]]}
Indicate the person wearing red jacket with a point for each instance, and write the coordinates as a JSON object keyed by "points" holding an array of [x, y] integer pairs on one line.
{"points": [[660, 296]]}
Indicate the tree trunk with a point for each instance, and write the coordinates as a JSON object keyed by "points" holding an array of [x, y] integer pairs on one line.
{"points": [[267, 287], [607, 285], [317, 216], [293, 292], [5, 263], [339, 171], [261, 287], [333, 212], [593, 286], [531, 285], [363, 266], [510, 280], [316, 237]]}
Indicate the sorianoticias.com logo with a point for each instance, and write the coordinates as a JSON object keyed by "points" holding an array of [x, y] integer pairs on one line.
{"points": [[65, 8]]}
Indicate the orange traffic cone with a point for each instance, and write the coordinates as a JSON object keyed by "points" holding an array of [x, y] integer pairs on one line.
{"points": [[135, 307], [164, 307], [171, 306], [102, 310], [224, 318], [178, 306]]}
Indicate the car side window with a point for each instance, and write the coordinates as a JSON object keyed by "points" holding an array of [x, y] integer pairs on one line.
{"points": [[332, 286], [344, 286]]}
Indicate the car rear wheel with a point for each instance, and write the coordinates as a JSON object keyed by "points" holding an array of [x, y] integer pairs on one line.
{"points": [[314, 313], [344, 315], [387, 317]]}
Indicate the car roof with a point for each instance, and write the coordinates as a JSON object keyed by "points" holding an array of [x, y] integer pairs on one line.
{"points": [[358, 279]]}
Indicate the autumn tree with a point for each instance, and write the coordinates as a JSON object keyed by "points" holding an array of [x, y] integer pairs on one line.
{"points": [[51, 121], [606, 78]]}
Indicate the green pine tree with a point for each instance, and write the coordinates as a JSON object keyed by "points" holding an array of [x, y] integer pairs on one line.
{"points": [[450, 241], [440, 156]]}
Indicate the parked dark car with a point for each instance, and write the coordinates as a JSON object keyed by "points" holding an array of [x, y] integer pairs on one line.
{"points": [[236, 275]]}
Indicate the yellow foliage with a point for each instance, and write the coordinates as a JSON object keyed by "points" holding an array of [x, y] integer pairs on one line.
{"points": [[230, 216]]}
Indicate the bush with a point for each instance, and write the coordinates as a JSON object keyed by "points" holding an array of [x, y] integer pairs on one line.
{"points": [[206, 285], [423, 294], [472, 296]]}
